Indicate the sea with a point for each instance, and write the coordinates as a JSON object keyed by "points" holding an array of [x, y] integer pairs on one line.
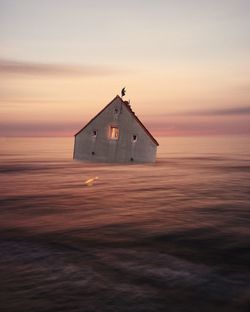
{"points": [[169, 236]]}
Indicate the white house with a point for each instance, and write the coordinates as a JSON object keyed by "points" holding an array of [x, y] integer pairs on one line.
{"points": [[115, 135]]}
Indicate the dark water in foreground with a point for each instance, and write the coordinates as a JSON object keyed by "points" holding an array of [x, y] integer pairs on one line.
{"points": [[173, 236]]}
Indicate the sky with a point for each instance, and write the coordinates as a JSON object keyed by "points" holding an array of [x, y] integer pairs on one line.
{"points": [[185, 64]]}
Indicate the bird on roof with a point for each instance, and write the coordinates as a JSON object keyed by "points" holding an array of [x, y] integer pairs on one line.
{"points": [[123, 91]]}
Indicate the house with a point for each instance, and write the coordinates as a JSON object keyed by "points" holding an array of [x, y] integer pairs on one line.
{"points": [[115, 135]]}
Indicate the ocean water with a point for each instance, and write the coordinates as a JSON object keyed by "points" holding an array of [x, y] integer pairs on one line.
{"points": [[169, 236]]}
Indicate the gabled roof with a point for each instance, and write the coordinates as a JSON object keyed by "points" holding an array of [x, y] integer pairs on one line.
{"points": [[130, 110]]}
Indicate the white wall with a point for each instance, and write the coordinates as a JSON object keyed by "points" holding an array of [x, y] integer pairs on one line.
{"points": [[121, 150]]}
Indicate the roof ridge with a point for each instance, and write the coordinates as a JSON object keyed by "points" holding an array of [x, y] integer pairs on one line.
{"points": [[117, 96]]}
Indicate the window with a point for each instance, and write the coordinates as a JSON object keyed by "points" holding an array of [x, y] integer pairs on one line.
{"points": [[134, 138], [114, 133], [116, 113], [94, 133]]}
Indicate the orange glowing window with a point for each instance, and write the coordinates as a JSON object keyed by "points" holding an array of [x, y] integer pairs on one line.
{"points": [[114, 133]]}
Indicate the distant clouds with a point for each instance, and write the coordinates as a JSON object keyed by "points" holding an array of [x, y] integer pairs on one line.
{"points": [[35, 69], [201, 125], [29, 128], [222, 112], [233, 120]]}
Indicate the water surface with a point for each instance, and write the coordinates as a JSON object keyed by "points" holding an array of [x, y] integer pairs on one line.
{"points": [[169, 236]]}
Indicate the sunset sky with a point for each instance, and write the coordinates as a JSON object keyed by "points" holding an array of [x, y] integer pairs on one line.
{"points": [[185, 64]]}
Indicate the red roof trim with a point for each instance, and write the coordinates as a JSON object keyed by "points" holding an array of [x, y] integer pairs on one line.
{"points": [[130, 110], [146, 130]]}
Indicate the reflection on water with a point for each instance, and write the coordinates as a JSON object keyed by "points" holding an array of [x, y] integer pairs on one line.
{"points": [[169, 236]]}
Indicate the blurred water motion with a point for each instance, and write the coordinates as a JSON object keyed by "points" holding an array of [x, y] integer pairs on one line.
{"points": [[169, 236]]}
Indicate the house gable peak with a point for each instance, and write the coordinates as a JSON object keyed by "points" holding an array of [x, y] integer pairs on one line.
{"points": [[127, 105]]}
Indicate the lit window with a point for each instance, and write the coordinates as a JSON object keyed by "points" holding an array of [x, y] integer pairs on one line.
{"points": [[114, 133]]}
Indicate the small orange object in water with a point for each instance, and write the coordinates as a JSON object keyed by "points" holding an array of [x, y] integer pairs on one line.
{"points": [[91, 181]]}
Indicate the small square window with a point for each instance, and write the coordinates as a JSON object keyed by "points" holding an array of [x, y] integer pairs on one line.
{"points": [[114, 133], [116, 113]]}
